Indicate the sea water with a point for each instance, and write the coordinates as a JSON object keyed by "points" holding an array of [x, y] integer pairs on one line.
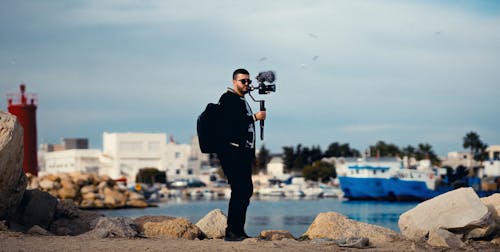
{"points": [[279, 213]]}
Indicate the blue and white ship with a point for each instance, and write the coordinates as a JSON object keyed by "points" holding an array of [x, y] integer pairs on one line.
{"points": [[386, 178]]}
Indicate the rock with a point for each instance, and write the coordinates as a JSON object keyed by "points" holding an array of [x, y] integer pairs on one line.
{"points": [[67, 183], [3, 226], [37, 230], [458, 211], [134, 196], [337, 227], [98, 203], [137, 203], [87, 204], [213, 225], [88, 189], [496, 241], [111, 227], [74, 221], [36, 208], [493, 204], [275, 235], [47, 184], [67, 193], [140, 221], [67, 209], [444, 238], [173, 228], [114, 199], [89, 196], [12, 180], [354, 242], [33, 182]]}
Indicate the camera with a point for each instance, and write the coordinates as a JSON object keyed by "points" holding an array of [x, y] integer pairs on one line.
{"points": [[267, 76]]}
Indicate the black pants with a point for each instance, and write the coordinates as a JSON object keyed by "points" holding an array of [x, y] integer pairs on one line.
{"points": [[237, 166]]}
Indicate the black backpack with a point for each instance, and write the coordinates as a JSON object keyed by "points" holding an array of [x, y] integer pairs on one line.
{"points": [[209, 127]]}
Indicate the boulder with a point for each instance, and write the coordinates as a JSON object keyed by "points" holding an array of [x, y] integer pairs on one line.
{"points": [[140, 221], [33, 182], [213, 225], [3, 226], [88, 189], [89, 196], [493, 204], [12, 180], [113, 198], [73, 221], [47, 184], [37, 230], [36, 208], [87, 204], [134, 196], [444, 238], [113, 227], [66, 193], [137, 203], [459, 211], [275, 235], [336, 226], [172, 228]]}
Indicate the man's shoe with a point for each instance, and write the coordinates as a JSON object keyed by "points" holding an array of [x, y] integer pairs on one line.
{"points": [[230, 236], [245, 235]]}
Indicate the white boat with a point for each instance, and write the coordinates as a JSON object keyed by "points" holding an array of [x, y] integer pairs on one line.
{"points": [[293, 191], [332, 192], [313, 192], [272, 191]]}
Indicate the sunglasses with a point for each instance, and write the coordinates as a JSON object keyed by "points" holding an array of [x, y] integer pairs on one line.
{"points": [[246, 81]]}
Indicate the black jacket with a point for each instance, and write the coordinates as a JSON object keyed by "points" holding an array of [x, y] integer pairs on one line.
{"points": [[238, 121]]}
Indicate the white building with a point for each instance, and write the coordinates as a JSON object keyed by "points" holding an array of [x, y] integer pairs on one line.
{"points": [[275, 167], [492, 166], [176, 161], [124, 154], [75, 160], [127, 153]]}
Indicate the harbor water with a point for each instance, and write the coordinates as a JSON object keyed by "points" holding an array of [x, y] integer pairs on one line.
{"points": [[294, 215]]}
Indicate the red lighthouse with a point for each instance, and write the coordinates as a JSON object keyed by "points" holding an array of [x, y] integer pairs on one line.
{"points": [[23, 106]]}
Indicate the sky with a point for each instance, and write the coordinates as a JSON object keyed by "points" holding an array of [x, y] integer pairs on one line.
{"points": [[404, 72]]}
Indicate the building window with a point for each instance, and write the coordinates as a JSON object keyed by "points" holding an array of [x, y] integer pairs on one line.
{"points": [[177, 171], [190, 171], [177, 155]]}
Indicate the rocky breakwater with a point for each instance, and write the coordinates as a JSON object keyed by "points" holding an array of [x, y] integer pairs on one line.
{"points": [[454, 220], [88, 190]]}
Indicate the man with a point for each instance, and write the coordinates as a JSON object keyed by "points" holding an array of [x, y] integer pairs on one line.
{"points": [[238, 152]]}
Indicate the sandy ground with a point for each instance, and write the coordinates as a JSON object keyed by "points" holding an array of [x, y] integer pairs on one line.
{"points": [[12, 241]]}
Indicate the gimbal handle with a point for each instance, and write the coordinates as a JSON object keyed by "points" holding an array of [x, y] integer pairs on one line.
{"points": [[262, 108]]}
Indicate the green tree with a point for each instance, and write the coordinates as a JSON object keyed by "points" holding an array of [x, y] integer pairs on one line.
{"points": [[425, 151], [383, 149], [288, 157], [262, 159], [319, 171], [476, 146], [340, 150]]}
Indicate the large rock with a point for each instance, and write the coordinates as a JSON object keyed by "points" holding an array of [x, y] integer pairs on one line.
{"points": [[493, 204], [170, 227], [113, 227], [459, 211], [140, 221], [36, 208], [114, 199], [12, 179], [444, 238], [213, 225], [72, 221], [338, 227]]}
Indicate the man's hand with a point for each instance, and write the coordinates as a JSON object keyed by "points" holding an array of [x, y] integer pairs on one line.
{"points": [[261, 115]]}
